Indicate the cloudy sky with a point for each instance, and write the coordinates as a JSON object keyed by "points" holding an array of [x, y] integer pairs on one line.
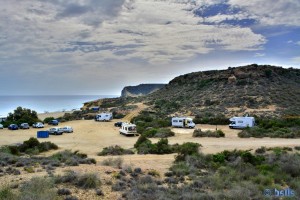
{"points": [[100, 46]]}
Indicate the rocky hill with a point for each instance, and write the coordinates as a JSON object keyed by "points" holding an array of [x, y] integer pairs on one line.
{"points": [[253, 89], [140, 90]]}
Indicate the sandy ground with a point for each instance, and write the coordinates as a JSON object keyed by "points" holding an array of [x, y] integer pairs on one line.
{"points": [[91, 137], [42, 116]]}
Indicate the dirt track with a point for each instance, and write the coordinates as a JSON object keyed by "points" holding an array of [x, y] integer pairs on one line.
{"points": [[91, 137]]}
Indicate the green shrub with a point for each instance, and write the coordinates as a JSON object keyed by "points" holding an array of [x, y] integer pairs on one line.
{"points": [[164, 133], [114, 150], [188, 148], [297, 148], [48, 119], [161, 147], [153, 172], [29, 169], [141, 140], [88, 181], [180, 169], [46, 146], [6, 193], [145, 147], [72, 158], [261, 150], [114, 162], [199, 133], [38, 188], [150, 132]]}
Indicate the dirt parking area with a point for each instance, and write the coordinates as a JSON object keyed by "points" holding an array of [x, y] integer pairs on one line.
{"points": [[91, 137]]}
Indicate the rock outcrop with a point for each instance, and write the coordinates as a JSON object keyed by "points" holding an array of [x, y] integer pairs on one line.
{"points": [[140, 90]]}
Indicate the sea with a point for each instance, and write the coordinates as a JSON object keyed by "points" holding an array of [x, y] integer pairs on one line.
{"points": [[43, 104]]}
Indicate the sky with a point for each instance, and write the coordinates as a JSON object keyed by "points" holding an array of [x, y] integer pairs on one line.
{"points": [[92, 47]]}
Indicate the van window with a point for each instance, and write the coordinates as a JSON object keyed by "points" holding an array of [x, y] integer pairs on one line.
{"points": [[180, 120], [175, 121], [240, 121]]}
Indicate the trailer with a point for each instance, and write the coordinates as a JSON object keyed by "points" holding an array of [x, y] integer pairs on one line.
{"points": [[104, 117], [128, 129], [241, 122], [183, 122]]}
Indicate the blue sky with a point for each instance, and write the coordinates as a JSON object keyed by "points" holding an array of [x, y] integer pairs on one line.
{"points": [[99, 46]]}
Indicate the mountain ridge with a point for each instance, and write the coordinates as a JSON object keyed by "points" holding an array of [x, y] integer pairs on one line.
{"points": [[253, 89]]}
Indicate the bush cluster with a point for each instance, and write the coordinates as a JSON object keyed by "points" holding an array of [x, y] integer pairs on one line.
{"points": [[210, 118], [145, 146], [21, 115], [31, 146], [200, 133], [275, 128], [114, 150], [158, 133], [85, 181], [113, 162], [147, 120], [72, 158], [226, 175]]}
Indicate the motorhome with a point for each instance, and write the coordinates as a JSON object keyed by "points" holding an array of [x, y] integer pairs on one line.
{"points": [[183, 122], [104, 117], [241, 122], [128, 129]]}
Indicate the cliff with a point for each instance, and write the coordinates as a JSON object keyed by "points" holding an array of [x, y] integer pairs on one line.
{"points": [[140, 90]]}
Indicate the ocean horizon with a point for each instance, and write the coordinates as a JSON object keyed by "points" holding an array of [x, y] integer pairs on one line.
{"points": [[46, 103]]}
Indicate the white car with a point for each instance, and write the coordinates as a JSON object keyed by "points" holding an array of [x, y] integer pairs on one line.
{"points": [[55, 131], [67, 129], [38, 125], [1, 126]]}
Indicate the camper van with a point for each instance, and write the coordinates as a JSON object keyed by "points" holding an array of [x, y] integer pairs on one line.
{"points": [[241, 122], [104, 117], [183, 122], [128, 129]]}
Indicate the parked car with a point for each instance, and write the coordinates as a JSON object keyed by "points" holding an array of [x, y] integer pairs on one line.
{"points": [[13, 127], [24, 126], [38, 125], [1, 126], [67, 129], [53, 122], [56, 131], [118, 124]]}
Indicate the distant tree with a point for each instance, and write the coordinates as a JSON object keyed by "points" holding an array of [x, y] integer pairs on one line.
{"points": [[22, 115], [48, 119]]}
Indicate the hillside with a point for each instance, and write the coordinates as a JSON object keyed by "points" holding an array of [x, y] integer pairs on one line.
{"points": [[254, 89], [140, 90]]}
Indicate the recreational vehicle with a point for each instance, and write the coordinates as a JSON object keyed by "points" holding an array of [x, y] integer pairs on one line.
{"points": [[104, 117], [183, 122], [128, 129], [241, 122]]}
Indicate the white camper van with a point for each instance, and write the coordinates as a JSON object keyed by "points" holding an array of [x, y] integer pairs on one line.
{"points": [[128, 129], [241, 122], [183, 122], [104, 117]]}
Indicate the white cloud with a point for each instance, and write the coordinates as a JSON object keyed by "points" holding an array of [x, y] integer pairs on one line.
{"points": [[159, 31], [272, 12], [259, 55]]}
